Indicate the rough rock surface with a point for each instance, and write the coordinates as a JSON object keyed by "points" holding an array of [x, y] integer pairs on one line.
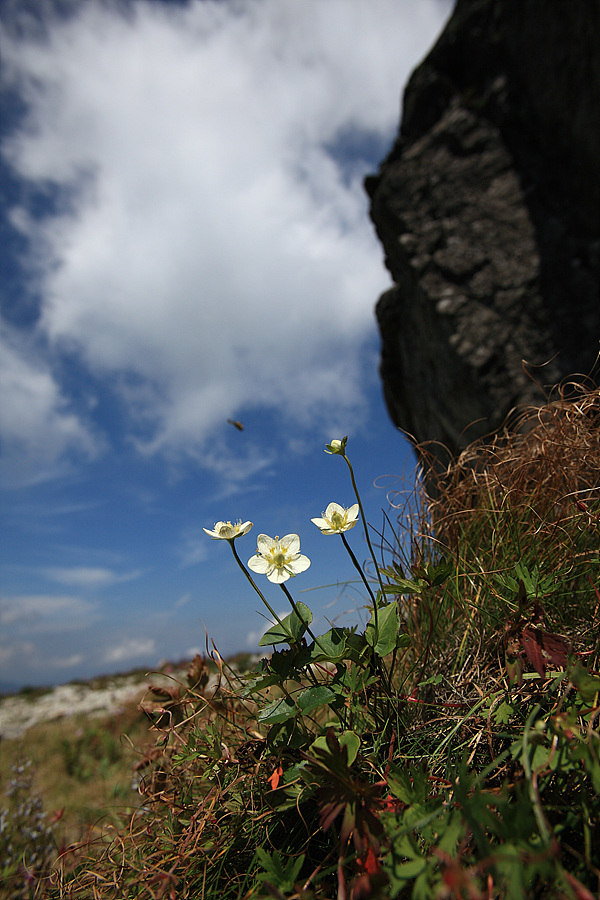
{"points": [[488, 209]]}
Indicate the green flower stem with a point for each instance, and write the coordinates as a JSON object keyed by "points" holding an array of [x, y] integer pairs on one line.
{"points": [[368, 587], [309, 670], [297, 611], [284, 690], [366, 530], [265, 601], [253, 583], [357, 566], [531, 776]]}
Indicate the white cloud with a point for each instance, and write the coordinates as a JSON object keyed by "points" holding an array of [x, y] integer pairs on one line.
{"points": [[17, 651], [67, 662], [46, 612], [87, 577], [129, 649], [37, 426], [193, 547], [183, 600], [213, 254]]}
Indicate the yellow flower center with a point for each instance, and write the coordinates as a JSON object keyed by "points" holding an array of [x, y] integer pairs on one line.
{"points": [[337, 520], [279, 559]]}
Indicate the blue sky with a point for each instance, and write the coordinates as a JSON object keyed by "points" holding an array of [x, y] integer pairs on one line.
{"points": [[185, 240]]}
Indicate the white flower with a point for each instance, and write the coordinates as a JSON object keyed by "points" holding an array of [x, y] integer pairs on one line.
{"points": [[278, 559], [337, 447], [225, 531], [337, 518]]}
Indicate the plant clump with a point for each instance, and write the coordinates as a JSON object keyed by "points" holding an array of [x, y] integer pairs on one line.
{"points": [[27, 846], [447, 749]]}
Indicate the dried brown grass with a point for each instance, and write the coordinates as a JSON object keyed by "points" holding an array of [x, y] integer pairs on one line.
{"points": [[526, 501], [549, 463]]}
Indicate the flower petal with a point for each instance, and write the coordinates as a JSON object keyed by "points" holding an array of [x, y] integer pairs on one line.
{"points": [[336, 519], [337, 446], [290, 543], [259, 564], [226, 531], [278, 559], [321, 523], [264, 543], [278, 576], [299, 564]]}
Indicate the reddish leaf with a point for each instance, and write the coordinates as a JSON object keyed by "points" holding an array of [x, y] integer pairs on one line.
{"points": [[556, 647], [371, 863], [362, 888], [275, 778], [542, 647], [329, 814], [581, 892], [533, 650], [390, 804], [349, 826]]}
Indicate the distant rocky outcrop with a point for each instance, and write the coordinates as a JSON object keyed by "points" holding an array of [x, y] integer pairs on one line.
{"points": [[488, 209]]}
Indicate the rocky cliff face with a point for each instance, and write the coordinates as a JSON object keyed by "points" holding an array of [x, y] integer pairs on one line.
{"points": [[488, 209]]}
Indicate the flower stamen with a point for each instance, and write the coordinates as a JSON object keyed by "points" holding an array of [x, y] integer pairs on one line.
{"points": [[336, 519], [278, 559]]}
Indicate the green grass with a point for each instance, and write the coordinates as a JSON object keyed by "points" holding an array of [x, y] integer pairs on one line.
{"points": [[449, 750], [81, 766]]}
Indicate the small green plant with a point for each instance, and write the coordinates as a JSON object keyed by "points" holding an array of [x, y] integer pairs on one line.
{"points": [[90, 752], [27, 846], [448, 749]]}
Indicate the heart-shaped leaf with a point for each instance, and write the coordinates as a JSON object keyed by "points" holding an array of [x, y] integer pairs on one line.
{"points": [[290, 630]]}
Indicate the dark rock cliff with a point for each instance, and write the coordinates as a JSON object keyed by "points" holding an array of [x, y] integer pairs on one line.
{"points": [[488, 209]]}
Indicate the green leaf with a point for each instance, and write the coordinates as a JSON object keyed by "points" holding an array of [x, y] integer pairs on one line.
{"points": [[279, 870], [288, 663], [405, 845], [314, 697], [409, 870], [290, 630], [503, 713], [408, 784], [287, 735], [422, 888], [348, 739], [260, 683], [404, 586], [440, 573], [356, 645], [384, 639], [278, 711], [452, 833], [283, 665], [331, 646], [587, 685]]}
